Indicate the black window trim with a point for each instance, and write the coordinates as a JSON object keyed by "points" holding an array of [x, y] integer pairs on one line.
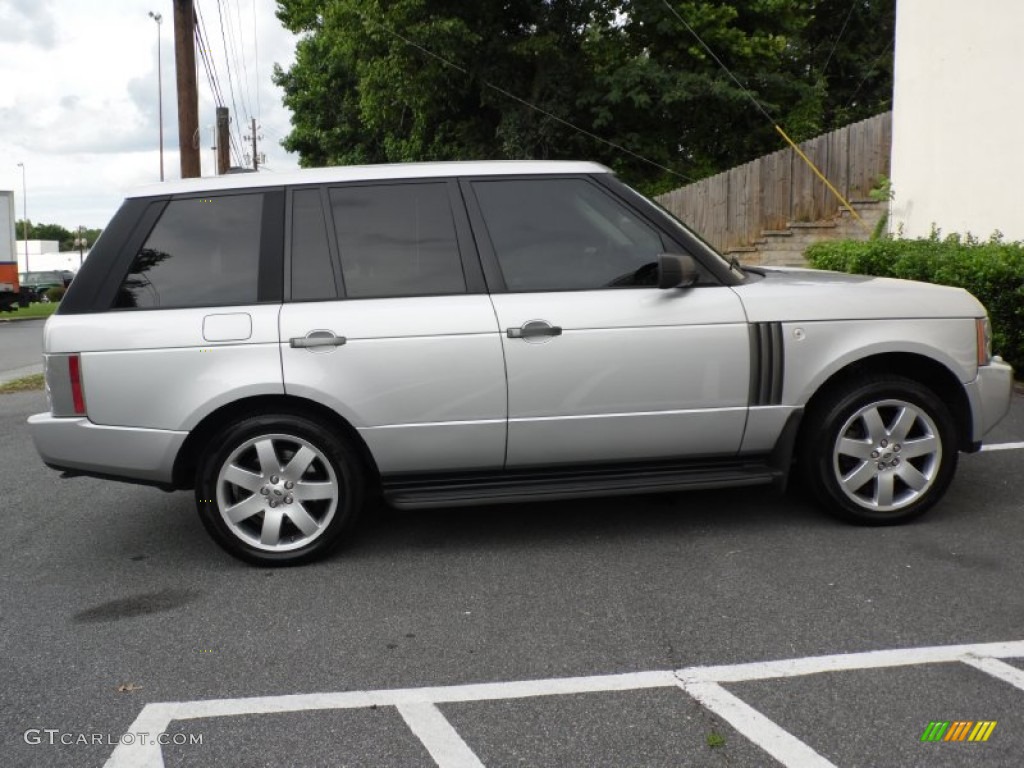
{"points": [[94, 289], [609, 185], [270, 277], [332, 249]]}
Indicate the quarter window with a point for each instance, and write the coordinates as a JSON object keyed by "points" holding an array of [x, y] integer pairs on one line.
{"points": [[397, 240], [566, 234], [202, 252]]}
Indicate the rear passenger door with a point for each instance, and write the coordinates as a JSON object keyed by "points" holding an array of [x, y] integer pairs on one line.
{"points": [[387, 321]]}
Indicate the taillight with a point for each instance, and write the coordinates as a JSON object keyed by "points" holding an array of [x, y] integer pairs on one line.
{"points": [[75, 374]]}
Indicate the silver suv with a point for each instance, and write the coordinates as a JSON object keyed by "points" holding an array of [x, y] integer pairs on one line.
{"points": [[289, 346]]}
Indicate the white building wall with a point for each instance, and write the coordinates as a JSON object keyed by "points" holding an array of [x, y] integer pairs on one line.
{"points": [[45, 255], [46, 262], [958, 117], [7, 221]]}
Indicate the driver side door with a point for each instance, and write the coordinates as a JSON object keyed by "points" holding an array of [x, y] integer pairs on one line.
{"points": [[602, 366]]}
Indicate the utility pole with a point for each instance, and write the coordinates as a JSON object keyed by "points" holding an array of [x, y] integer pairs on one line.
{"points": [[188, 97], [223, 140], [213, 130], [255, 152], [80, 243], [24, 210]]}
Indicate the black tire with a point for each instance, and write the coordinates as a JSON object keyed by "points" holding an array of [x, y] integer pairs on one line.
{"points": [[305, 528], [878, 449]]}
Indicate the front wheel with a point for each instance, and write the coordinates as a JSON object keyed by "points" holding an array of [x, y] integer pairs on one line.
{"points": [[880, 451], [278, 489]]}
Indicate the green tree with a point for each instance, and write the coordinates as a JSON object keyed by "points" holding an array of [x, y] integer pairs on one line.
{"points": [[444, 79], [66, 237], [682, 107], [52, 232], [360, 93], [851, 46]]}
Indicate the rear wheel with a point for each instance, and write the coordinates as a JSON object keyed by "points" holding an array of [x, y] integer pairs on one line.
{"points": [[278, 489], [880, 451]]}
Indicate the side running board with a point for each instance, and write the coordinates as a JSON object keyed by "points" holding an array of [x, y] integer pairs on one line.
{"points": [[436, 490]]}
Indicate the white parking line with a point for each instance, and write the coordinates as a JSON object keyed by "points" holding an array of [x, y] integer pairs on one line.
{"points": [[1002, 447], [996, 668], [777, 742], [418, 705], [441, 740], [846, 662]]}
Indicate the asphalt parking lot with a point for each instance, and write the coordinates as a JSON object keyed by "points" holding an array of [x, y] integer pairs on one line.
{"points": [[21, 342], [445, 637]]}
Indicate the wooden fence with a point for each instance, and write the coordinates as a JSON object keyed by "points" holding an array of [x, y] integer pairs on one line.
{"points": [[734, 208]]}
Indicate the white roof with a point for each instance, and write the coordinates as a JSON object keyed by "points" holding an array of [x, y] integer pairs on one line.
{"points": [[368, 173]]}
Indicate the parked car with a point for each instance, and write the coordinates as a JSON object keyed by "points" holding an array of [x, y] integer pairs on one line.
{"points": [[471, 333], [38, 283]]}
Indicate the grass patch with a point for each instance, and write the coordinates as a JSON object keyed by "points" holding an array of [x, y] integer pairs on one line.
{"points": [[31, 312], [715, 739], [24, 384]]}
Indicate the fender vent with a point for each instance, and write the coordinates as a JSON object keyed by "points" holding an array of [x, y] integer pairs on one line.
{"points": [[766, 363]]}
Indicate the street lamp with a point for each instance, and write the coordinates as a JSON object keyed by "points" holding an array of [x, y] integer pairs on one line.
{"points": [[24, 210], [159, 86], [80, 243]]}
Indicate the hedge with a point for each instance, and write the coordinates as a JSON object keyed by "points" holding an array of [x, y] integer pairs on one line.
{"points": [[992, 270]]}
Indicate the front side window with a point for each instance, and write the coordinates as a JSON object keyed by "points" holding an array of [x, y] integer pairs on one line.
{"points": [[566, 235], [397, 240], [202, 252]]}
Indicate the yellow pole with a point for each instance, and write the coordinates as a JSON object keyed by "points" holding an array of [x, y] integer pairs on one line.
{"points": [[821, 176]]}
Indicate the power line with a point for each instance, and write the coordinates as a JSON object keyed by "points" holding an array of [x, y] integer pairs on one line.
{"points": [[524, 102], [761, 109], [233, 46], [210, 64], [720, 63], [870, 69], [227, 62], [836, 41], [245, 66], [204, 55], [256, 57]]}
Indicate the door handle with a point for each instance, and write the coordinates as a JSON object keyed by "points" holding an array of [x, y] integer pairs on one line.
{"points": [[310, 341], [534, 329]]}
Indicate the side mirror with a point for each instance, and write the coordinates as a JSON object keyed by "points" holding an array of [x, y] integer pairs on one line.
{"points": [[676, 270]]}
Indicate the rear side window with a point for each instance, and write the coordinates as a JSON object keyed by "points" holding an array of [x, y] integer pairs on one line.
{"points": [[202, 252], [397, 240]]}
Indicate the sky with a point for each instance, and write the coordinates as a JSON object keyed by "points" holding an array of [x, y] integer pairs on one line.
{"points": [[79, 98]]}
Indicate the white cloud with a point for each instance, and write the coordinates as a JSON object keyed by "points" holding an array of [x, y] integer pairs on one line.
{"points": [[79, 102], [28, 21]]}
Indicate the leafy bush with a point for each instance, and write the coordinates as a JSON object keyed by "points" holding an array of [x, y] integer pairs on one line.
{"points": [[56, 293], [992, 270]]}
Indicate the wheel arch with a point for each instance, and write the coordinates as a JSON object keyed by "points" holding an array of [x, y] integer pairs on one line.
{"points": [[186, 462], [920, 368]]}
